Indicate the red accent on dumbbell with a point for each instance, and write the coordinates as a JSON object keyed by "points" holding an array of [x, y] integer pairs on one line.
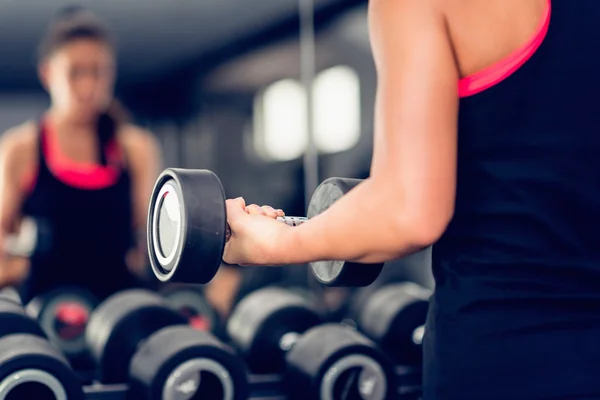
{"points": [[200, 323], [72, 314]]}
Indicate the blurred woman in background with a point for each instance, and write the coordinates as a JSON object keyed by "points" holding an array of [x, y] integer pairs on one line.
{"points": [[81, 169]]}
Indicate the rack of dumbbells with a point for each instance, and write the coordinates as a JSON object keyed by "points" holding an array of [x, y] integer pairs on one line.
{"points": [[276, 344], [145, 345]]}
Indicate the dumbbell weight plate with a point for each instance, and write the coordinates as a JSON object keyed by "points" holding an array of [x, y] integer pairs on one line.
{"points": [[181, 363], [118, 326], [63, 315], [333, 361], [186, 226], [33, 239], [394, 316], [339, 273], [191, 303], [32, 368], [265, 323], [11, 294], [14, 319]]}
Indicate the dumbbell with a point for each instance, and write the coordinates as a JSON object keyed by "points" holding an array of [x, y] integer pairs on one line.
{"points": [[137, 338], [187, 229], [33, 238], [278, 331], [30, 366], [191, 303], [394, 316], [63, 314]]}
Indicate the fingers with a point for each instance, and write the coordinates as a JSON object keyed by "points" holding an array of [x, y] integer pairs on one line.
{"points": [[267, 211], [235, 206]]}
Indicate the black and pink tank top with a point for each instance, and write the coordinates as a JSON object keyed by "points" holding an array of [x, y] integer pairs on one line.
{"points": [[88, 209], [516, 311]]}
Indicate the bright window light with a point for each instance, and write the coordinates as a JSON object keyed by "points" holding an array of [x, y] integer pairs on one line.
{"points": [[281, 124], [336, 110], [280, 120]]}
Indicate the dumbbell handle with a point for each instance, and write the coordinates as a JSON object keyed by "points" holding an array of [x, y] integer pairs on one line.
{"points": [[291, 221], [288, 340]]}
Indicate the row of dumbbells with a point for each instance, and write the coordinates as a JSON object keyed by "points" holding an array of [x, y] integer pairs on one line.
{"points": [[137, 337]]}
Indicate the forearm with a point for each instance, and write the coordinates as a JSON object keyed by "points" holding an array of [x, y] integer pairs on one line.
{"points": [[137, 256], [367, 225], [13, 271]]}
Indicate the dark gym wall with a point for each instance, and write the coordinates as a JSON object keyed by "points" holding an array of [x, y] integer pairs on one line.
{"points": [[16, 108]]}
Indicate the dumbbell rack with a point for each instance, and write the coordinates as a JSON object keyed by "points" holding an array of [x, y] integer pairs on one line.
{"points": [[270, 387]]}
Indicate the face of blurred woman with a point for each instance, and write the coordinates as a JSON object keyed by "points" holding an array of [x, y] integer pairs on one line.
{"points": [[79, 77]]}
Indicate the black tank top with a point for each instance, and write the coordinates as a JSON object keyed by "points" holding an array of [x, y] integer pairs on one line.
{"points": [[92, 231], [516, 309]]}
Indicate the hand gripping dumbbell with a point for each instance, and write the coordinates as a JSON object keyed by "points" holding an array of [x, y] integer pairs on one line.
{"points": [[394, 316], [187, 229], [34, 237], [136, 338], [30, 366], [63, 314], [278, 331]]}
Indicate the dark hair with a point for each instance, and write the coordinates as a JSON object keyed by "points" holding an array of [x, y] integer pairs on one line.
{"points": [[72, 23]]}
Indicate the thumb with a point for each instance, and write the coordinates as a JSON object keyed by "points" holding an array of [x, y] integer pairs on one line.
{"points": [[235, 207]]}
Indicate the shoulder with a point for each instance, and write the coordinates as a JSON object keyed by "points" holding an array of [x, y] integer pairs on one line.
{"points": [[140, 145], [136, 139], [18, 147], [20, 137], [398, 27], [387, 10]]}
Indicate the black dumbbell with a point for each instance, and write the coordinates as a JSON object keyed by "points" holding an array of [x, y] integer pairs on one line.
{"points": [[187, 229], [191, 303], [278, 331], [394, 316], [30, 366], [63, 314], [137, 338], [33, 238]]}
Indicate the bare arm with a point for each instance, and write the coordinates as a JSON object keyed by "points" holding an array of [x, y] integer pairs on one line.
{"points": [[145, 162], [15, 155], [408, 201]]}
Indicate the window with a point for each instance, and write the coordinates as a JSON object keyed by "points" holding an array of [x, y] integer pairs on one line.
{"points": [[280, 124], [336, 110], [280, 120]]}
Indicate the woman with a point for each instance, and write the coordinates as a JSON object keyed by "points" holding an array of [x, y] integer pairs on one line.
{"points": [[486, 146], [81, 170]]}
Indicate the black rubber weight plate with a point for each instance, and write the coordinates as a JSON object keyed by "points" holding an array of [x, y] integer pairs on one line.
{"points": [[395, 316], [197, 241], [13, 319], [339, 273], [192, 304], [36, 357], [68, 334], [181, 363], [10, 293], [260, 321], [333, 361], [120, 323]]}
